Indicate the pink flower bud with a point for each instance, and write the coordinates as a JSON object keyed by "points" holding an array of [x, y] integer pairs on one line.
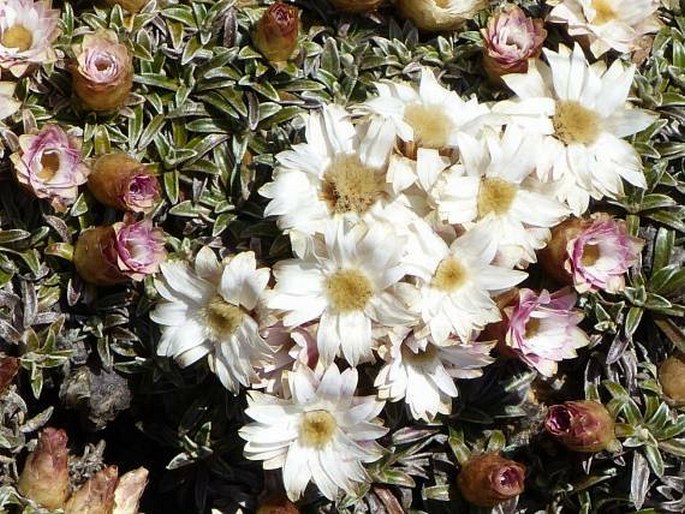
{"points": [[9, 367], [582, 426], [672, 378], [489, 479], [122, 182], [592, 253], [103, 72], [543, 329], [123, 251], [96, 496], [511, 38], [275, 34], [45, 477], [129, 490], [49, 164]]}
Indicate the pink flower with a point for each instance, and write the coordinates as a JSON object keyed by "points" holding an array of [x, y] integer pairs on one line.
{"points": [[511, 38], [50, 165], [137, 249], [582, 426], [543, 329]]}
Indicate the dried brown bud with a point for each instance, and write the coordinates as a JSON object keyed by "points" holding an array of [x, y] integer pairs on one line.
{"points": [[275, 34], [277, 503], [582, 426], [45, 477], [122, 182], [129, 490], [9, 366], [96, 496], [672, 378], [489, 479], [356, 6]]}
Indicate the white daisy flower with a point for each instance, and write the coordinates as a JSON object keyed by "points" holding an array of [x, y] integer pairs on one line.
{"points": [[27, 31], [322, 434], [495, 185], [429, 116], [347, 282], [338, 174], [208, 311], [582, 110], [456, 282], [607, 24], [423, 373]]}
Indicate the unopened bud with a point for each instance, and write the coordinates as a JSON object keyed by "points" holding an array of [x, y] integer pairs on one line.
{"points": [[122, 182], [9, 366], [129, 490], [45, 477], [672, 378], [489, 479], [96, 496], [582, 426], [275, 34], [277, 503]]}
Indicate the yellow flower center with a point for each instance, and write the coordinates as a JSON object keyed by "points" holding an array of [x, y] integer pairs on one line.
{"points": [[50, 165], [574, 123], [591, 255], [349, 186], [317, 428], [495, 195], [430, 123], [17, 37], [450, 275], [532, 328], [348, 290], [222, 317], [604, 12]]}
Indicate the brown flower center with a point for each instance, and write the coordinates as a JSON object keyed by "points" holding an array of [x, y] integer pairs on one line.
{"points": [[50, 165], [591, 255], [348, 290], [420, 357], [604, 12], [532, 328], [442, 4], [349, 186], [222, 317], [495, 196], [574, 123], [450, 275], [430, 123], [317, 428], [17, 37]]}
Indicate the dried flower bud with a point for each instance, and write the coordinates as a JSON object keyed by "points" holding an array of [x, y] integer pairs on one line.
{"points": [[489, 479], [511, 38], [130, 5], [129, 490], [672, 378], [582, 426], [591, 253], [9, 366], [277, 503], [438, 15], [45, 477], [123, 251], [275, 34], [96, 496], [356, 6], [103, 72], [122, 182]]}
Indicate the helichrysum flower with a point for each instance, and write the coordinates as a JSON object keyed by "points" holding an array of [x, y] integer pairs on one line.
{"points": [[672, 378], [510, 39], [607, 24], [583, 426], [96, 495], [102, 75], [437, 15], [49, 164], [130, 488], [489, 479], [209, 310], [543, 329], [119, 252], [122, 182], [592, 253], [9, 366], [583, 113], [322, 434], [276, 32], [45, 477], [27, 31]]}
